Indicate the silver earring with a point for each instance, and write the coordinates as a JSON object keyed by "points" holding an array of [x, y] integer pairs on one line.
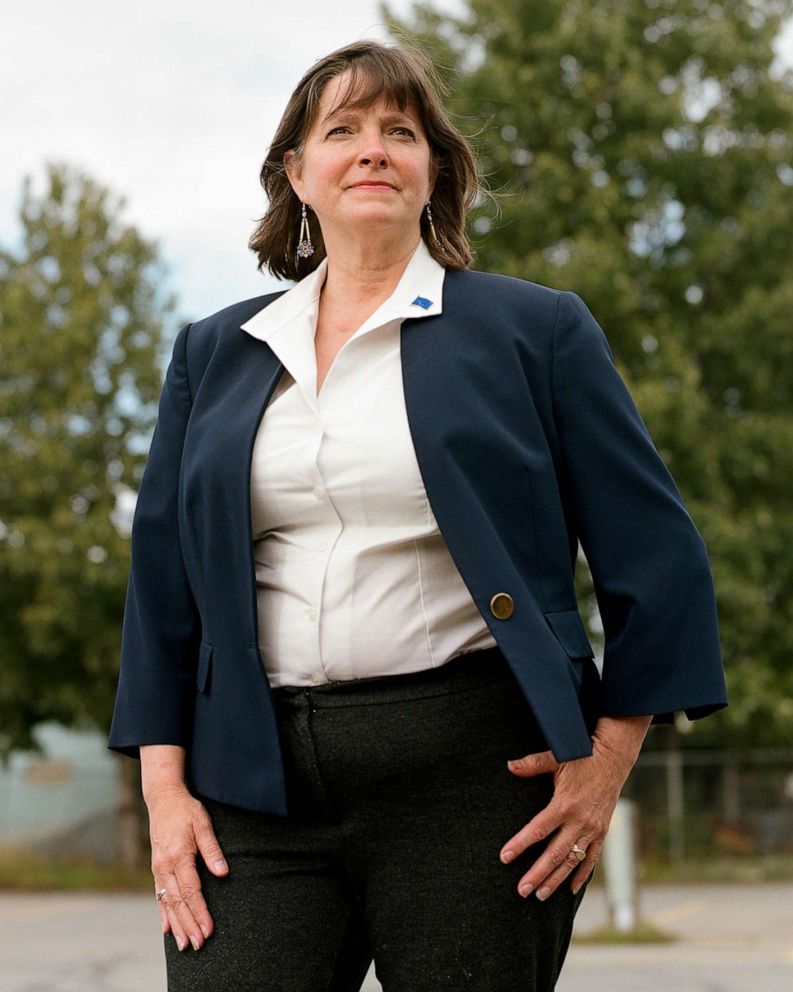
{"points": [[305, 249], [432, 226]]}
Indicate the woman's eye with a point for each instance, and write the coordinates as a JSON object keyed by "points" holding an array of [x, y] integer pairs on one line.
{"points": [[343, 127]]}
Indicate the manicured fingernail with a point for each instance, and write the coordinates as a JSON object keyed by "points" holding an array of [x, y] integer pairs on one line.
{"points": [[194, 941], [205, 931], [515, 763], [179, 943], [543, 893], [220, 866], [507, 856], [576, 888], [525, 890]]}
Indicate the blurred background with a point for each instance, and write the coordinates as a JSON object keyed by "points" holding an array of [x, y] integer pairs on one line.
{"points": [[641, 155]]}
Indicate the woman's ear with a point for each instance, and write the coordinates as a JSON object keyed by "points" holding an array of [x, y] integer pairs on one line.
{"points": [[291, 169]]}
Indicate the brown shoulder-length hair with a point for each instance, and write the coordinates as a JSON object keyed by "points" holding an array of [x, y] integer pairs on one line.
{"points": [[402, 74]]}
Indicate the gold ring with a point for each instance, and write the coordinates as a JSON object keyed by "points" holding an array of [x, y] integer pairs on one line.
{"points": [[160, 894], [578, 852]]}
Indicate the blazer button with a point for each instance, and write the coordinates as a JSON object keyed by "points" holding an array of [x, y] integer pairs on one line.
{"points": [[501, 605]]}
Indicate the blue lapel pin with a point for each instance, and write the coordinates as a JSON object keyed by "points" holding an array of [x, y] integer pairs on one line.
{"points": [[422, 301]]}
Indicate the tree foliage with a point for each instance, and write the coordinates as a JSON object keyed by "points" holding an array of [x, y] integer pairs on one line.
{"points": [[640, 155], [80, 342]]}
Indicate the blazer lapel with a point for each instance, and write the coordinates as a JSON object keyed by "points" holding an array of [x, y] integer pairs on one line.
{"points": [[216, 473], [447, 399]]}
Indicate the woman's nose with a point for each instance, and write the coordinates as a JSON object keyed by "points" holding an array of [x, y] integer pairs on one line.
{"points": [[376, 158], [372, 149]]}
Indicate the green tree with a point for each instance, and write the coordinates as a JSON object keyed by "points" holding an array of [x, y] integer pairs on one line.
{"points": [[641, 155], [80, 351]]}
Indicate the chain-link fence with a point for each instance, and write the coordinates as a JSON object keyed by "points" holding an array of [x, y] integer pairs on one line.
{"points": [[706, 803]]}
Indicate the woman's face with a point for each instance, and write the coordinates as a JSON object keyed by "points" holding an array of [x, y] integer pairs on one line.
{"points": [[379, 144]]}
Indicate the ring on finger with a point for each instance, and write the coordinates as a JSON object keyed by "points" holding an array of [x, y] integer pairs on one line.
{"points": [[579, 852], [160, 894]]}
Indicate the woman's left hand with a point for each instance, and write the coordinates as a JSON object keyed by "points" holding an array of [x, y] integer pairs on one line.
{"points": [[586, 791]]}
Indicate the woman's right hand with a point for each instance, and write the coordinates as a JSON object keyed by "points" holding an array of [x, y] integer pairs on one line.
{"points": [[179, 826]]}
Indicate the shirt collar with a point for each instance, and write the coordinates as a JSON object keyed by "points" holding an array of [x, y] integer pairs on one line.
{"points": [[419, 293]]}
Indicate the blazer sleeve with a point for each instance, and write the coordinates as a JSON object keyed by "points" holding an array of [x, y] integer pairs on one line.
{"points": [[649, 564], [161, 627]]}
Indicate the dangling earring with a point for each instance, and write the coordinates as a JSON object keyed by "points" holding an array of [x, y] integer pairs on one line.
{"points": [[305, 249], [432, 226]]}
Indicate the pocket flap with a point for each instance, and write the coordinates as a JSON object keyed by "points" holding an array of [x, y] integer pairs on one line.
{"points": [[569, 629], [204, 666]]}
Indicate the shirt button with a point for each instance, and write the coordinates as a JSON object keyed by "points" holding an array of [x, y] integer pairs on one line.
{"points": [[315, 679], [322, 545], [311, 613], [317, 492]]}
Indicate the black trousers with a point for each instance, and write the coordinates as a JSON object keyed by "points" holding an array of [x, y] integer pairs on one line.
{"points": [[401, 802]]}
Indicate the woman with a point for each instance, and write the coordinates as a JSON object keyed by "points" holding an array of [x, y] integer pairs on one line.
{"points": [[351, 597]]}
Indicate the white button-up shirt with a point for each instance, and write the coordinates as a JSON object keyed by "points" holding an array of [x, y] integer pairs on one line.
{"points": [[353, 576]]}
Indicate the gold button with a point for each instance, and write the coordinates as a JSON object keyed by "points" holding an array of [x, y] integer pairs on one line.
{"points": [[501, 605]]}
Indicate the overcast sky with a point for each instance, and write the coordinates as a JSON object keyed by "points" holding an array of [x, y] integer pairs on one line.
{"points": [[173, 106]]}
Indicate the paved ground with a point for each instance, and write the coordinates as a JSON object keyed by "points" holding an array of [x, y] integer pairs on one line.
{"points": [[733, 939]]}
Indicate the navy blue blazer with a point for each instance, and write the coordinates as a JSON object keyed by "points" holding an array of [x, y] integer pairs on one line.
{"points": [[528, 442]]}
